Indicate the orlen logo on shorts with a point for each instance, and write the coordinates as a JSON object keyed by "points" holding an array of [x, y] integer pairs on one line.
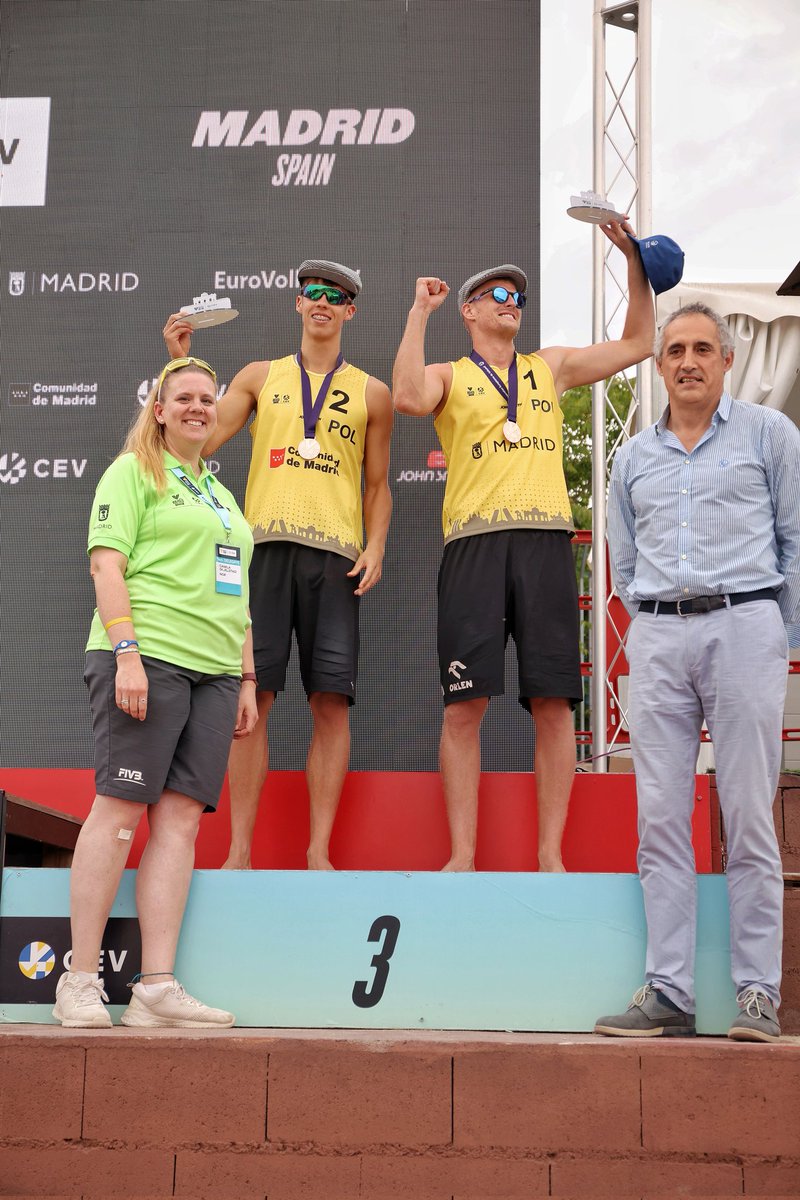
{"points": [[455, 669], [277, 457]]}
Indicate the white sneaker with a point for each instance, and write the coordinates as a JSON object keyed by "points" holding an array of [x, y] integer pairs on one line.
{"points": [[173, 1007], [79, 1003]]}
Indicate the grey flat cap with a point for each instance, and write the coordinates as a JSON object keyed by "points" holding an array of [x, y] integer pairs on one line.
{"points": [[506, 271], [333, 272]]}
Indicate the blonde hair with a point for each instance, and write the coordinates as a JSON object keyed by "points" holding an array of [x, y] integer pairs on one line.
{"points": [[146, 435]]}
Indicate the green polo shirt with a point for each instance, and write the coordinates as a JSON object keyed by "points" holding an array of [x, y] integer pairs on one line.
{"points": [[169, 540]]}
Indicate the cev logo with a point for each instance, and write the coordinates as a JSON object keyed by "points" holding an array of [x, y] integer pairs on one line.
{"points": [[145, 388], [12, 467], [37, 960]]}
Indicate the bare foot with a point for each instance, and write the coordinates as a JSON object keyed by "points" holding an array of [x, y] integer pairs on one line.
{"points": [[319, 862], [459, 864], [551, 866], [237, 862]]}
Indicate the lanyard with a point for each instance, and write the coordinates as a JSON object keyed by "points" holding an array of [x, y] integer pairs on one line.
{"points": [[508, 393], [311, 410], [213, 503]]}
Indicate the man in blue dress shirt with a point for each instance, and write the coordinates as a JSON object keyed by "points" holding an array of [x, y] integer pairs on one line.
{"points": [[704, 532]]}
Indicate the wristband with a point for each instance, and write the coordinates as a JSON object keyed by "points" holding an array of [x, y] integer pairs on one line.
{"points": [[127, 644], [117, 621], [249, 677], [129, 650]]}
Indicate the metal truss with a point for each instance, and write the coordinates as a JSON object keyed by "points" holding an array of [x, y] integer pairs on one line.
{"points": [[622, 173]]}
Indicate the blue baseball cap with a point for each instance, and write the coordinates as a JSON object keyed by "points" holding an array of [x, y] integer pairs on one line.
{"points": [[662, 260]]}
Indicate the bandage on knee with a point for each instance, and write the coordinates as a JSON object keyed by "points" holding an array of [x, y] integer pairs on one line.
{"points": [[124, 835]]}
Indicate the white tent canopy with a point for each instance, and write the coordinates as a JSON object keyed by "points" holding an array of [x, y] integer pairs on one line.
{"points": [[766, 329]]}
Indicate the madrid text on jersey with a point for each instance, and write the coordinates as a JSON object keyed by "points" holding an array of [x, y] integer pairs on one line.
{"points": [[303, 126]]}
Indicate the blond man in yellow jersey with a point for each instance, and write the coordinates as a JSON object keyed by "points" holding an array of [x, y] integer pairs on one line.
{"points": [[507, 563], [319, 425]]}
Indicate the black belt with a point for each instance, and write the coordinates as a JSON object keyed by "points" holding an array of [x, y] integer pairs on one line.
{"points": [[695, 605]]}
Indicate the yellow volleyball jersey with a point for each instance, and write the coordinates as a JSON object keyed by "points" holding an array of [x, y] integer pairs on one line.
{"points": [[316, 502], [492, 483]]}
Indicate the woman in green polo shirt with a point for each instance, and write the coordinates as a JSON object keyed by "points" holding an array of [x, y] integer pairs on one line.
{"points": [[169, 668]]}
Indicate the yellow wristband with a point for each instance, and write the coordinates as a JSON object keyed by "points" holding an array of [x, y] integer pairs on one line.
{"points": [[117, 621]]}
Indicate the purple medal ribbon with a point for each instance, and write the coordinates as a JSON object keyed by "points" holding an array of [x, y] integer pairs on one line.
{"points": [[508, 393], [311, 410]]}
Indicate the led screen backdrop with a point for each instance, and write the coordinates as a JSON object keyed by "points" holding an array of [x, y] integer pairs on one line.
{"points": [[152, 150]]}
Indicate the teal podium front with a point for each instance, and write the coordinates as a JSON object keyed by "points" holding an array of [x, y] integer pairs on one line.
{"points": [[372, 950]]}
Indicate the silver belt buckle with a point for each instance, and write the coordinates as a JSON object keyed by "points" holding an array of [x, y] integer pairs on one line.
{"points": [[701, 604]]}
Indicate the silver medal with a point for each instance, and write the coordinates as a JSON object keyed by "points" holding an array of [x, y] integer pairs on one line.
{"points": [[308, 448], [512, 431]]}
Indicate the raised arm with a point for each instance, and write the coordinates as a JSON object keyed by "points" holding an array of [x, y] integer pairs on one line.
{"points": [[241, 396], [573, 366], [417, 389], [377, 496]]}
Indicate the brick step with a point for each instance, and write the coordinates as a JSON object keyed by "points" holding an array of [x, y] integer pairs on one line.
{"points": [[371, 1114]]}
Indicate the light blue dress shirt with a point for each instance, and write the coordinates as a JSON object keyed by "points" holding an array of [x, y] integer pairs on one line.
{"points": [[723, 517]]}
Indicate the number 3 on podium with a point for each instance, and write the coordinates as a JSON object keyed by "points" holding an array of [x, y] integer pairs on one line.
{"points": [[364, 995]]}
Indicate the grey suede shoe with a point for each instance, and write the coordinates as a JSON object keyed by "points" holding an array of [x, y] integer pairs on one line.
{"points": [[757, 1021], [649, 1014]]}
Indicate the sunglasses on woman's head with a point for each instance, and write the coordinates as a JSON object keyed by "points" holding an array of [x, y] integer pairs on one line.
{"points": [[177, 364]]}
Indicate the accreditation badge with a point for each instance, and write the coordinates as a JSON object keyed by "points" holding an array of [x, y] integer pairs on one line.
{"points": [[228, 569]]}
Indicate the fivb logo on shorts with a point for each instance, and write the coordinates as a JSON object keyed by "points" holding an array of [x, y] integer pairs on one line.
{"points": [[24, 137], [126, 775]]}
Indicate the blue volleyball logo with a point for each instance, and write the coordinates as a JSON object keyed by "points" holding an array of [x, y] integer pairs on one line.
{"points": [[37, 960]]}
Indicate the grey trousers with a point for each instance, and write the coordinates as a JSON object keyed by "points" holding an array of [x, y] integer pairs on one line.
{"points": [[729, 667]]}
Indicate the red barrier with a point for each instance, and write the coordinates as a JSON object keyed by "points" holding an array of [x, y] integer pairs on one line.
{"points": [[395, 821]]}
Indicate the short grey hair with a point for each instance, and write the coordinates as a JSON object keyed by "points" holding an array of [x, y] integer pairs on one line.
{"points": [[725, 335]]}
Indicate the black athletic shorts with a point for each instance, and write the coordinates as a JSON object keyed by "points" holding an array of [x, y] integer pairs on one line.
{"points": [[516, 583], [300, 588], [183, 743]]}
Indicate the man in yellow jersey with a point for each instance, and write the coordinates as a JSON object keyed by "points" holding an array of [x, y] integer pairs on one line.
{"points": [[507, 566], [319, 421]]}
